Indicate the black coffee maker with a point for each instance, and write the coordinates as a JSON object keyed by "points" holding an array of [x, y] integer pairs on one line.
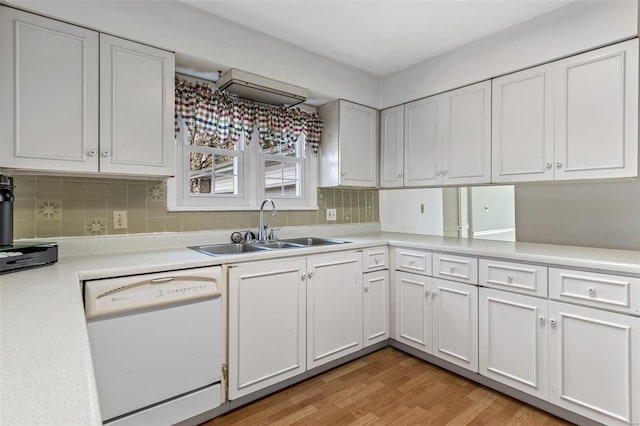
{"points": [[6, 210]]}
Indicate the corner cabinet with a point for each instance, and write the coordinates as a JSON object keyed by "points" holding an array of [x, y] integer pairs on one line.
{"points": [[576, 118], [74, 100], [447, 138], [392, 147], [349, 146]]}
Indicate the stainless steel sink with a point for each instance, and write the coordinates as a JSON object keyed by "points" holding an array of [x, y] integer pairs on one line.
{"points": [[231, 248], [313, 241], [279, 244], [240, 248]]}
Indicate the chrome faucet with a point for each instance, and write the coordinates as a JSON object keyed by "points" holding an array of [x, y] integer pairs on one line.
{"points": [[261, 234]]}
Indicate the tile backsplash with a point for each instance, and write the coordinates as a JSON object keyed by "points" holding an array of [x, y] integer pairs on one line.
{"points": [[53, 206]]}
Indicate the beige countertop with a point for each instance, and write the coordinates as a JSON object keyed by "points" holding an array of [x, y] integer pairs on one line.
{"points": [[46, 374]]}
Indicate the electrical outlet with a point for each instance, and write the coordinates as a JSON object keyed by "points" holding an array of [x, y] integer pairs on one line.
{"points": [[332, 215], [120, 219]]}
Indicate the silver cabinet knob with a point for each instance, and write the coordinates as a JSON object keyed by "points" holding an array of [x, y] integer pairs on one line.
{"points": [[366, 288], [106, 153], [377, 260], [426, 292], [342, 173], [310, 275], [553, 321], [434, 293], [399, 175], [444, 172], [92, 152], [412, 262], [303, 277], [591, 290], [509, 278], [438, 172], [558, 164], [541, 319], [548, 164], [452, 268]]}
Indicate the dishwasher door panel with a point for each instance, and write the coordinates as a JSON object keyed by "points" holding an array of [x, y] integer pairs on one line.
{"points": [[146, 357]]}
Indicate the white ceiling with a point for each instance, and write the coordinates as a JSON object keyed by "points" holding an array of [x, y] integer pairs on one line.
{"points": [[379, 37]]}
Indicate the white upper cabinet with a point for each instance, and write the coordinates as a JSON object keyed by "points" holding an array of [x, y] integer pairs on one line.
{"points": [[49, 74], [466, 135], [392, 147], [136, 108], [74, 100], [571, 119], [522, 136], [349, 147], [597, 114], [421, 142], [448, 138]]}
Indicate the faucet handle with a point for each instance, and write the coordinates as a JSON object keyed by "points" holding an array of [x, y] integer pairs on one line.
{"points": [[249, 236], [268, 232]]}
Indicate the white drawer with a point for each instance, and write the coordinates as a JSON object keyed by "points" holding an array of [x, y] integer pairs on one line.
{"points": [[516, 277], [612, 292], [375, 258], [415, 261], [456, 268]]}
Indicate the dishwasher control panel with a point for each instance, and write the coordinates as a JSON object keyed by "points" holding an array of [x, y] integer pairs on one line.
{"points": [[125, 294]]}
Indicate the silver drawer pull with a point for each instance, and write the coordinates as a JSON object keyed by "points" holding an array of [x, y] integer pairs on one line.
{"points": [[161, 280]]}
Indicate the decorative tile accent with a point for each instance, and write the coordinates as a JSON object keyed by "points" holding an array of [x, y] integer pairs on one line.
{"points": [[48, 210], [52, 206], [96, 227]]}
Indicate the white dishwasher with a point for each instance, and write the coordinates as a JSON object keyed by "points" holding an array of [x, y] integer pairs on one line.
{"points": [[156, 343]]}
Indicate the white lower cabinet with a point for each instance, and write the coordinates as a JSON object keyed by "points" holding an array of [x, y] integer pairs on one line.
{"points": [[287, 316], [376, 307], [513, 340], [438, 317], [267, 324], [413, 322], [334, 306], [455, 323], [593, 363]]}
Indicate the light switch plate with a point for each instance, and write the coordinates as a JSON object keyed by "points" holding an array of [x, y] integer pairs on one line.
{"points": [[331, 215], [119, 219]]}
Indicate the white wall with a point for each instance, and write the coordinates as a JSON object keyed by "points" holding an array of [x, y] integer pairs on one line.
{"points": [[594, 214], [400, 211], [579, 26], [188, 31], [493, 215]]}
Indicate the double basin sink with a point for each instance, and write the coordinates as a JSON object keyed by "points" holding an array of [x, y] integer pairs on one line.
{"points": [[258, 246]]}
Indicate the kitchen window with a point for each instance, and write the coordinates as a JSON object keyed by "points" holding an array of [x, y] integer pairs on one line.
{"points": [[220, 175]]}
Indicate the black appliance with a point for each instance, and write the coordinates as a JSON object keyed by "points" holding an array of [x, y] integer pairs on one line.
{"points": [[14, 258], [6, 210]]}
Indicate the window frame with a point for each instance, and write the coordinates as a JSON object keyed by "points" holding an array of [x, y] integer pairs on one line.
{"points": [[251, 179]]}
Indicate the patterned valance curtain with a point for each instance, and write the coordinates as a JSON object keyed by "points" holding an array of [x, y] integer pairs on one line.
{"points": [[225, 118]]}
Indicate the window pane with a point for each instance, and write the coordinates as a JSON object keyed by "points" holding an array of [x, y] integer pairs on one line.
{"points": [[282, 179], [213, 173], [200, 139]]}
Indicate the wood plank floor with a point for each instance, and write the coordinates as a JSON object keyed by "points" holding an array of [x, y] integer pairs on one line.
{"points": [[387, 387]]}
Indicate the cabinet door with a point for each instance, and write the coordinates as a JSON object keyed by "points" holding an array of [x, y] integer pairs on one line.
{"points": [[136, 108], [392, 147], [413, 310], [593, 362], [358, 145], [513, 341], [49, 77], [421, 146], [466, 135], [522, 120], [455, 323], [267, 324], [597, 114], [334, 306], [376, 307]]}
